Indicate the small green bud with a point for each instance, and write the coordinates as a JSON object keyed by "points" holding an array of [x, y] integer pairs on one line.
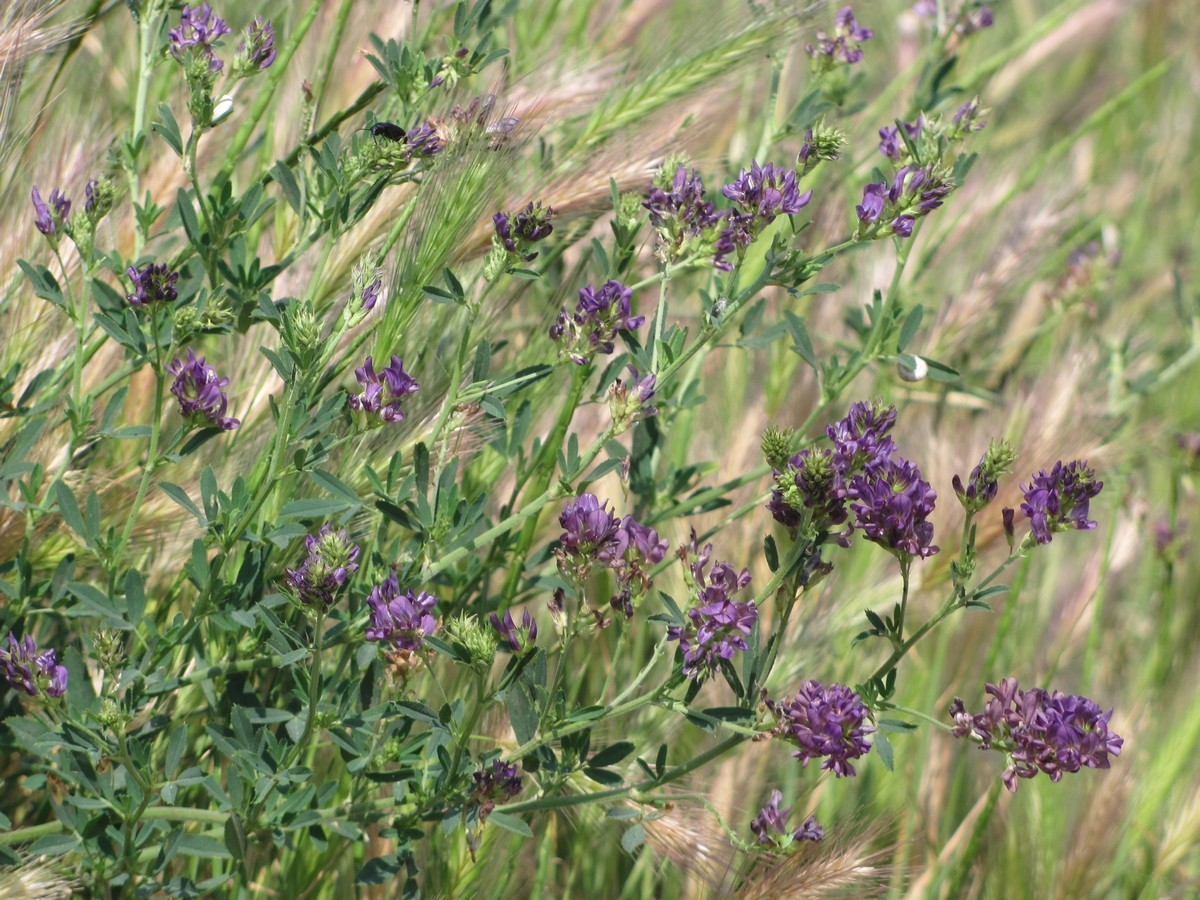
{"points": [[777, 447], [467, 633]]}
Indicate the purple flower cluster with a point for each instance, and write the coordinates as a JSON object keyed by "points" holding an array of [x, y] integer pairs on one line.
{"points": [[383, 392], [890, 143], [27, 670], [891, 504], [890, 501], [500, 782], [201, 392], [1041, 731], [592, 535], [770, 825], [811, 483], [760, 194], [424, 141], [972, 16], [681, 212], [403, 620], [330, 562], [1058, 500], [48, 219], [518, 639], [982, 486], [518, 232], [843, 44], [257, 49], [825, 723], [600, 313], [370, 294], [152, 284], [913, 193], [199, 28], [717, 624]]}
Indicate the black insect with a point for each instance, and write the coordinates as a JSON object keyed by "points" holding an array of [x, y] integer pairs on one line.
{"points": [[389, 131]]}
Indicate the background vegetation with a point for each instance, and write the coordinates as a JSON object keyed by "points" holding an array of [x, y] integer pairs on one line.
{"points": [[1057, 281]]}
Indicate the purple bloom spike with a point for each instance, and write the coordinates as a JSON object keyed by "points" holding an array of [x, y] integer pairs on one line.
{"points": [[599, 315], [891, 504], [718, 624], [825, 722], [518, 639], [199, 27], [843, 44], [330, 562], [770, 825], [383, 392], [1059, 500], [1041, 731], [27, 670], [518, 232], [152, 284], [49, 218], [258, 44], [590, 532], [201, 392], [403, 620], [761, 195]]}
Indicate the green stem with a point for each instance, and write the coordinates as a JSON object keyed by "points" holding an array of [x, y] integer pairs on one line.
{"points": [[543, 471], [659, 316], [114, 564]]}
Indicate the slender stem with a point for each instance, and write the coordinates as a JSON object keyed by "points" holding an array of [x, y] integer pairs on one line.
{"points": [[147, 469], [543, 471], [659, 315]]}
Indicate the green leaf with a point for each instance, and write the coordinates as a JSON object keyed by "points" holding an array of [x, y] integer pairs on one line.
{"points": [[336, 487], [168, 128], [176, 744], [135, 596], [611, 755], [607, 777], [69, 508], [884, 748], [909, 330], [54, 845], [180, 496], [634, 837], [510, 823], [203, 846]]}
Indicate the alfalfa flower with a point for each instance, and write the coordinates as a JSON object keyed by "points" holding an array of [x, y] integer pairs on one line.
{"points": [[330, 561], [50, 218], [256, 52], [519, 638], [401, 620], [628, 399], [600, 314], [591, 534], [679, 212], [983, 484], [892, 145], [197, 34], [893, 209], [770, 826], [201, 392], [1058, 500], [151, 284], [1040, 731], [891, 505], [760, 195], [718, 622], [518, 232], [383, 392], [824, 722], [27, 670], [843, 45]]}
